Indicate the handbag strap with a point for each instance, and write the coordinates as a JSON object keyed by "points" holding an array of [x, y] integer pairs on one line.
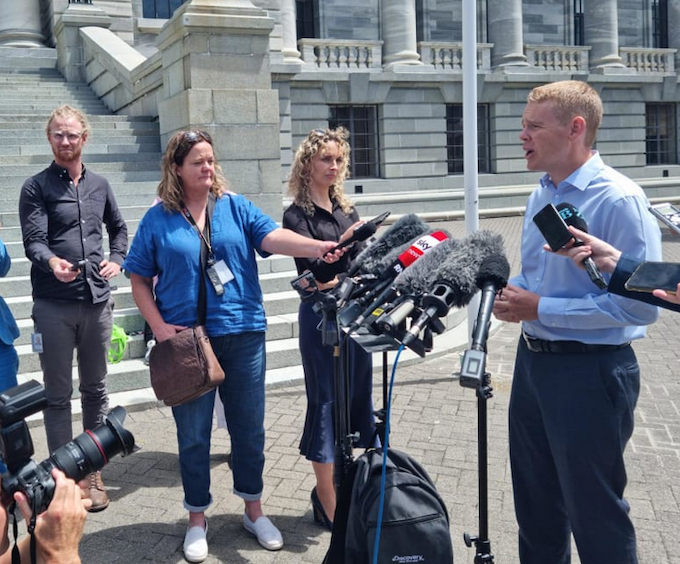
{"points": [[204, 259]]}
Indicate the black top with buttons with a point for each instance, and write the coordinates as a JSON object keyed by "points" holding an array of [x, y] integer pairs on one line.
{"points": [[323, 226], [61, 219]]}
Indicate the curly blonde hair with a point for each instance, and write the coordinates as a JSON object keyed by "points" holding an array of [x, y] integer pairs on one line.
{"points": [[170, 189], [299, 182]]}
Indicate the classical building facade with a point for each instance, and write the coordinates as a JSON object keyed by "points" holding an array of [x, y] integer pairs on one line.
{"points": [[262, 73]]}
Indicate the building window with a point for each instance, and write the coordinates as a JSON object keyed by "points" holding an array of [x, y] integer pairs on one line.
{"points": [[660, 24], [306, 18], [579, 24], [660, 136], [362, 124], [162, 9], [454, 138]]}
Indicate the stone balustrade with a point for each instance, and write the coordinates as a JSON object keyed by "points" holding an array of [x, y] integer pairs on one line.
{"points": [[341, 54], [557, 57], [449, 56], [649, 61]]}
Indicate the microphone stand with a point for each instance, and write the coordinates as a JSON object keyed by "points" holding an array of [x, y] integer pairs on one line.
{"points": [[473, 375], [327, 305]]}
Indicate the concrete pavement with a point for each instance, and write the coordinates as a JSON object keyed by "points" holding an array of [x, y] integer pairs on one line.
{"points": [[433, 419]]}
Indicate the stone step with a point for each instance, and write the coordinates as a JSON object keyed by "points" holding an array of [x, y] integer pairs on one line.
{"points": [[102, 120], [18, 282]]}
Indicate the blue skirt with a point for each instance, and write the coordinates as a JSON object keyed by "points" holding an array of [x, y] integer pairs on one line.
{"points": [[318, 438]]}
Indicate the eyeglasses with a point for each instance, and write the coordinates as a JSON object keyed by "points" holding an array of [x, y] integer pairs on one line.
{"points": [[319, 132], [71, 136]]}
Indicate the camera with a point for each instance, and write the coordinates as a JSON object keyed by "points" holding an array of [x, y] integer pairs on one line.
{"points": [[85, 454]]}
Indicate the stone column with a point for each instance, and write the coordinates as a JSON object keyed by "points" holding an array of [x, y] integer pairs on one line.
{"points": [[20, 24], [601, 33], [399, 33], [289, 32], [505, 32], [216, 77]]}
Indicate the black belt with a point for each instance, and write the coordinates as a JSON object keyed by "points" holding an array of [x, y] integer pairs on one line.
{"points": [[567, 347]]}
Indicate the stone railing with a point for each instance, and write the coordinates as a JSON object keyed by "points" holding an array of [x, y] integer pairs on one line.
{"points": [[339, 54], [649, 61], [557, 57], [126, 81], [449, 56]]}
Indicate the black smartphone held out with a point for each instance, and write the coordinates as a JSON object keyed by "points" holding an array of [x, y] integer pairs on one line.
{"points": [[552, 227], [651, 275], [668, 214], [78, 265]]}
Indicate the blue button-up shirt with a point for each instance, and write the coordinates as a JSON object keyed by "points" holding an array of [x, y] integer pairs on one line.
{"points": [[571, 306]]}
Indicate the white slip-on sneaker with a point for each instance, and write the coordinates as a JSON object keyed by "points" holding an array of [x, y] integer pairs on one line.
{"points": [[195, 544], [265, 531]]}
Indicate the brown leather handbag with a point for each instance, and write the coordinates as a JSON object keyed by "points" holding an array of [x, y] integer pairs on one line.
{"points": [[184, 367]]}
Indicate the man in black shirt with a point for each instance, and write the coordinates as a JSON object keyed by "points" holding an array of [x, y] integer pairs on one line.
{"points": [[62, 210]]}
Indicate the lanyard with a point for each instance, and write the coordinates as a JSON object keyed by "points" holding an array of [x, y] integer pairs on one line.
{"points": [[206, 229]]}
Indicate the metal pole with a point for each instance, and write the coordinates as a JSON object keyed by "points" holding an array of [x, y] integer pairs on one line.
{"points": [[470, 169]]}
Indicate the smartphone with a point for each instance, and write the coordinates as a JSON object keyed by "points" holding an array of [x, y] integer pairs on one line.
{"points": [[78, 265], [552, 227], [668, 214], [652, 275]]}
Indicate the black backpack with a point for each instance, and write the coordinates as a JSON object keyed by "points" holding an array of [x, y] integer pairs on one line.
{"points": [[415, 523]]}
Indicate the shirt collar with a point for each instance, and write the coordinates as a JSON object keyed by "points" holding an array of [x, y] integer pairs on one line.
{"points": [[61, 172], [580, 178]]}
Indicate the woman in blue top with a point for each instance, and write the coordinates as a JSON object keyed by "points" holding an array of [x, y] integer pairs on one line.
{"points": [[167, 244], [9, 360]]}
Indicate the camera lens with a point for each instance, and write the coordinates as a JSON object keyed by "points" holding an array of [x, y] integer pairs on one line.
{"points": [[92, 450]]}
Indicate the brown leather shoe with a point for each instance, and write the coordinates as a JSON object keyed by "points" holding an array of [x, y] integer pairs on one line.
{"points": [[96, 491]]}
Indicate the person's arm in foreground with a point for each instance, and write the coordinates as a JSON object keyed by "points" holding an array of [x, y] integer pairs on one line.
{"points": [[609, 259]]}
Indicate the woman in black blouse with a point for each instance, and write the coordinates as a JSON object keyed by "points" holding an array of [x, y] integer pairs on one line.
{"points": [[321, 210]]}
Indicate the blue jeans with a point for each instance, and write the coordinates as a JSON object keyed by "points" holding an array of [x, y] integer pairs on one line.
{"points": [[243, 360], [9, 366]]}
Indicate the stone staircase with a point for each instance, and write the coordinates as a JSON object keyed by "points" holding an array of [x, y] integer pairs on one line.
{"points": [[126, 150]]}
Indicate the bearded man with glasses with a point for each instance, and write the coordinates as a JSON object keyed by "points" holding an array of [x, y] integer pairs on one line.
{"points": [[62, 211]]}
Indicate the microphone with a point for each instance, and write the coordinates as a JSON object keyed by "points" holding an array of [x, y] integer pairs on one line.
{"points": [[492, 277], [418, 248], [401, 232], [456, 279], [414, 282], [360, 233], [572, 216]]}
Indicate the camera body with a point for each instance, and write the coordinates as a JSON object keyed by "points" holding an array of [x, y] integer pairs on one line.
{"points": [[87, 453]]}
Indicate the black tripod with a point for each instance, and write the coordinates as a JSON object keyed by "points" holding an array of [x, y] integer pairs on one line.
{"points": [[327, 305]]}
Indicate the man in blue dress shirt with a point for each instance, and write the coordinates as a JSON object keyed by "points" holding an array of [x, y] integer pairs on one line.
{"points": [[576, 378]]}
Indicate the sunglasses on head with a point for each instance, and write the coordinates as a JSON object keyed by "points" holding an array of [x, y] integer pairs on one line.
{"points": [[187, 141], [194, 137]]}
